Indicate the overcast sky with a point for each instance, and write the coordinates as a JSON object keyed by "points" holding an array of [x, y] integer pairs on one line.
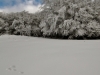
{"points": [[19, 5]]}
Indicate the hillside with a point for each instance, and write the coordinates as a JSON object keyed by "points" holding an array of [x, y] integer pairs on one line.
{"points": [[20, 55]]}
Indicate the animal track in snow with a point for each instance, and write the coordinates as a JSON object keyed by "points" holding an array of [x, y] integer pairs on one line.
{"points": [[13, 68], [9, 69], [21, 72]]}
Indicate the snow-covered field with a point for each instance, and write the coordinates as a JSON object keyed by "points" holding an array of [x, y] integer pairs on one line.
{"points": [[20, 55]]}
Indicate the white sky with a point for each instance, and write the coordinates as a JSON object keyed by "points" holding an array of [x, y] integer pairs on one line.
{"points": [[27, 6]]}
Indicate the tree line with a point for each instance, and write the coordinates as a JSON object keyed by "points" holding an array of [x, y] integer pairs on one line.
{"points": [[67, 19]]}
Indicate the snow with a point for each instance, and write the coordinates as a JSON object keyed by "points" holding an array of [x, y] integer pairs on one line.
{"points": [[20, 55]]}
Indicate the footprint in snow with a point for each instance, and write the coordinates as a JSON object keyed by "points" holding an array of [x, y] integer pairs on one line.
{"points": [[21, 72]]}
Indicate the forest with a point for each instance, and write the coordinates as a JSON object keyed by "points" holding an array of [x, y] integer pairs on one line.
{"points": [[64, 19]]}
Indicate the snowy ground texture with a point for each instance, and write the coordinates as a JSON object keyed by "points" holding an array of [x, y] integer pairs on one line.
{"points": [[20, 55]]}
